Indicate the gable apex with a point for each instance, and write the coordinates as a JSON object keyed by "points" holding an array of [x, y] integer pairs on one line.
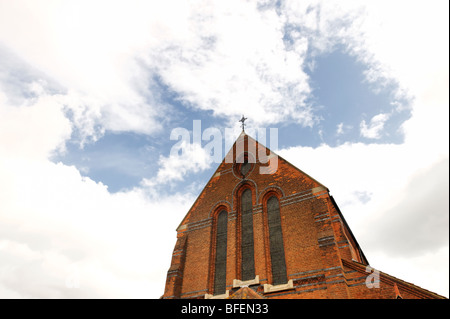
{"points": [[272, 154], [251, 235], [246, 148]]}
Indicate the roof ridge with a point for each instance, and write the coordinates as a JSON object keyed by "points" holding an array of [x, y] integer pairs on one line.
{"points": [[410, 287]]}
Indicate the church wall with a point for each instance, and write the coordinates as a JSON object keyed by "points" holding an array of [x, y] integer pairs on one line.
{"points": [[299, 227], [195, 274], [317, 241]]}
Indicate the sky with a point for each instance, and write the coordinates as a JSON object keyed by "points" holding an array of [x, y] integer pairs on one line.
{"points": [[107, 110]]}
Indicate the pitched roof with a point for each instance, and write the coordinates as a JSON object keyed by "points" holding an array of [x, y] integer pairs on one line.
{"points": [[243, 135], [397, 283]]}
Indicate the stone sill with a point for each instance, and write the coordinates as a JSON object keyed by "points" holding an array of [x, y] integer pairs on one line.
{"points": [[238, 283], [222, 296], [270, 288]]}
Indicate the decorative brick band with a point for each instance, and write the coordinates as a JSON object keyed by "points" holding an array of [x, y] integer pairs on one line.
{"points": [[302, 196], [257, 209]]}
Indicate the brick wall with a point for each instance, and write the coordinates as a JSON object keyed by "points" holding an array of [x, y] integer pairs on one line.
{"points": [[317, 241]]}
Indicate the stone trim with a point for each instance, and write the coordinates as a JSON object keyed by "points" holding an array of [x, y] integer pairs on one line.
{"points": [[222, 296], [239, 283], [270, 288], [319, 189]]}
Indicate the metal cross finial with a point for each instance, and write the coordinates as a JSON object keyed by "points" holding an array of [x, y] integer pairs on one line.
{"points": [[243, 120]]}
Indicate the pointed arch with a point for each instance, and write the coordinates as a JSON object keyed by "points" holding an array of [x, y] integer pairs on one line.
{"points": [[239, 188], [220, 263], [247, 244], [277, 256]]}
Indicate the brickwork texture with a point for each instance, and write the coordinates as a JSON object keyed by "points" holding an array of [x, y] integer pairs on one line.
{"points": [[322, 257]]}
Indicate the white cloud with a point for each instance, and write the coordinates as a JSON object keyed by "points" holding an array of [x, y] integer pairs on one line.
{"points": [[393, 175], [92, 51], [191, 159], [236, 59], [397, 209], [342, 128], [34, 129], [429, 270], [416, 56], [64, 235], [216, 56], [416, 220], [62, 225], [221, 56], [375, 128], [394, 46]]}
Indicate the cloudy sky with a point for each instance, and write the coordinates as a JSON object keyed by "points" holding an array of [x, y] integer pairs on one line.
{"points": [[91, 93]]}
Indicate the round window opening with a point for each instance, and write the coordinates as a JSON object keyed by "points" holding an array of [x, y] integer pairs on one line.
{"points": [[243, 169]]}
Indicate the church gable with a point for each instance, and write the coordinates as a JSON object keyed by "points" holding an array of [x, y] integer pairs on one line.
{"points": [[263, 228], [249, 163]]}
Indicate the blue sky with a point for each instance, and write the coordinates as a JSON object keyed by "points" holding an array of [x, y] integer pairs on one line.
{"points": [[88, 178], [341, 98]]}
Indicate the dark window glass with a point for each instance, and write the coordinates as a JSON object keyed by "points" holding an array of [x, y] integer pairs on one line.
{"points": [[248, 262], [221, 254], [279, 275], [245, 167]]}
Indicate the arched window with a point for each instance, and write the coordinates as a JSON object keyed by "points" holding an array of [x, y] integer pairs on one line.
{"points": [[277, 258], [247, 251], [221, 254]]}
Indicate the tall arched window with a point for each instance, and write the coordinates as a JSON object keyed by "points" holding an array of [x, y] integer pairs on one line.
{"points": [[221, 254], [247, 251], [277, 258]]}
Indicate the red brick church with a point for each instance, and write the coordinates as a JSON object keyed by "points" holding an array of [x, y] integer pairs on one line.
{"points": [[262, 228]]}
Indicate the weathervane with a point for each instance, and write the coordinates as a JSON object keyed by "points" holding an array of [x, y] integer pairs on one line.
{"points": [[243, 120]]}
